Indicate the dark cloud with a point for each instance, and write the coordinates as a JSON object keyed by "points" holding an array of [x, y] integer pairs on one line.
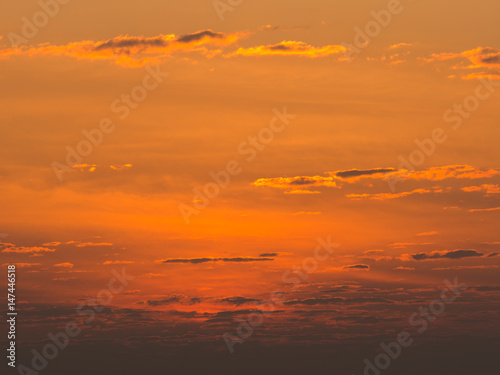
{"points": [[279, 47], [230, 316], [238, 300], [487, 288], [129, 42], [362, 172], [199, 35], [336, 300], [455, 254], [303, 181], [269, 255], [491, 59], [166, 301], [206, 260], [357, 267]]}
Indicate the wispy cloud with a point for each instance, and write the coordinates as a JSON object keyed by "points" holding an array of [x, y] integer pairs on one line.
{"points": [[207, 260], [484, 209], [27, 250], [290, 48], [64, 265], [454, 254], [132, 51]]}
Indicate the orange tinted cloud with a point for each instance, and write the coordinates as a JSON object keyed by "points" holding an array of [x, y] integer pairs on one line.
{"points": [[385, 196], [357, 267], [336, 179], [288, 182], [108, 262], [64, 265], [465, 267], [54, 243], [302, 192], [85, 244], [131, 51], [22, 265], [484, 209], [427, 233], [27, 250], [290, 48], [401, 45], [477, 58], [449, 171], [207, 260], [486, 188], [453, 254]]}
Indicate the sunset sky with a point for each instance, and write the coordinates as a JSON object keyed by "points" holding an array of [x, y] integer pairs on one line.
{"points": [[186, 90]]}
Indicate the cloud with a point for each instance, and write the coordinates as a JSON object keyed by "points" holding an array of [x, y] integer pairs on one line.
{"points": [[401, 45], [401, 268], [357, 267], [131, 51], [206, 260], [55, 243], [376, 258], [290, 48], [486, 188], [88, 244], [237, 301], [478, 58], [28, 250], [448, 171], [306, 213], [336, 179], [336, 300], [495, 75], [199, 36], [487, 288], [64, 265], [166, 301], [386, 196], [455, 254], [93, 167], [404, 244], [302, 192], [288, 182], [372, 252], [428, 233], [363, 172], [22, 265], [465, 268], [484, 209]]}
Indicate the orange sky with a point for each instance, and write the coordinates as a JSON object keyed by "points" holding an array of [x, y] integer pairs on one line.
{"points": [[333, 169]]}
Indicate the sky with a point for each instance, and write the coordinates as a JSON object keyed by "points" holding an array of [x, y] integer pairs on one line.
{"points": [[206, 149]]}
